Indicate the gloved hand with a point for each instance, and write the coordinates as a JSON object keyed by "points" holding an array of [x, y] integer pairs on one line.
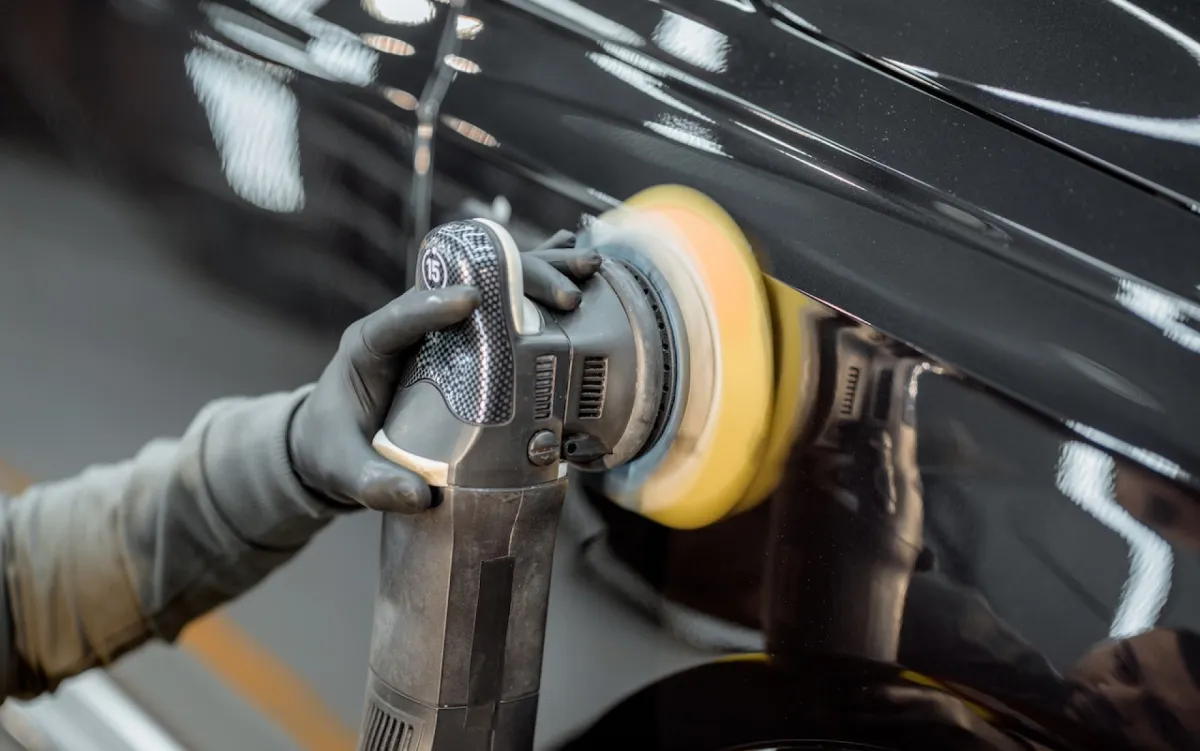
{"points": [[330, 436]]}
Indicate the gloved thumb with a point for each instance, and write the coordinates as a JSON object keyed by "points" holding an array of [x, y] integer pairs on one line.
{"points": [[372, 481]]}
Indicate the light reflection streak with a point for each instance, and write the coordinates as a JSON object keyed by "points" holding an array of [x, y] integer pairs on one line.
{"points": [[689, 133], [462, 64], [599, 25], [1170, 314], [401, 98], [643, 82], [470, 131], [254, 118], [1179, 130], [692, 42], [467, 27], [388, 45], [791, 152], [401, 12], [1087, 476], [1148, 459]]}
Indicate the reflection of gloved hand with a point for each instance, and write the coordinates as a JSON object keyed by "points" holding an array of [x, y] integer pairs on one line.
{"points": [[330, 436]]}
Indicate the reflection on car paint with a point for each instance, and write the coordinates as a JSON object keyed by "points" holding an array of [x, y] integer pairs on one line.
{"points": [[467, 130], [388, 45], [467, 27], [1171, 314], [746, 6], [692, 42], [597, 24], [643, 82], [687, 132], [1087, 476], [251, 110], [402, 12], [462, 64], [1148, 459], [254, 119], [400, 98]]}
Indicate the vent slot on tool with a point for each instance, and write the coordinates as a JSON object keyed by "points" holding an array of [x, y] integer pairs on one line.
{"points": [[384, 732], [543, 386], [851, 390], [593, 387]]}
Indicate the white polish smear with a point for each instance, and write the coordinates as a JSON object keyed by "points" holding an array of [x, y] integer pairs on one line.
{"points": [[1087, 476], [254, 119]]}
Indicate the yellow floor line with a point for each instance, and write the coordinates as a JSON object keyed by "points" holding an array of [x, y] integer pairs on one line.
{"points": [[263, 680], [250, 670]]}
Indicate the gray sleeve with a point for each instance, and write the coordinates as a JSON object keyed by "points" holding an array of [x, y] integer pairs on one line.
{"points": [[97, 564]]}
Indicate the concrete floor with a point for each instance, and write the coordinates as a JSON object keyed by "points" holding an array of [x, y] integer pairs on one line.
{"points": [[107, 342]]}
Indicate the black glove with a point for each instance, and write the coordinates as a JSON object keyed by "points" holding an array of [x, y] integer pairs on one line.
{"points": [[330, 435]]}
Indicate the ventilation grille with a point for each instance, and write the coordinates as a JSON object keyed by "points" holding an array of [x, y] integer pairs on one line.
{"points": [[543, 386], [591, 391], [384, 732], [852, 376]]}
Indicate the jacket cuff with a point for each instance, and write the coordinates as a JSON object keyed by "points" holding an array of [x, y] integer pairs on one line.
{"points": [[247, 464]]}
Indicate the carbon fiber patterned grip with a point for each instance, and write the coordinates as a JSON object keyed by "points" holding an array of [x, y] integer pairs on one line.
{"points": [[472, 363]]}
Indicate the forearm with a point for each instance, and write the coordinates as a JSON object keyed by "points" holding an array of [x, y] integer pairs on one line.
{"points": [[97, 564]]}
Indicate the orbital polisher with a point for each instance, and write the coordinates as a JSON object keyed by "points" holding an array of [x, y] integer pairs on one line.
{"points": [[671, 389]]}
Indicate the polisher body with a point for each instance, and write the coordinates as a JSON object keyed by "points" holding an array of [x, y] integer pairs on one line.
{"points": [[490, 413], [658, 387]]}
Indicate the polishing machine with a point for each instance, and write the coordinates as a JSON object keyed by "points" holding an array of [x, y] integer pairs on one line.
{"points": [[668, 388]]}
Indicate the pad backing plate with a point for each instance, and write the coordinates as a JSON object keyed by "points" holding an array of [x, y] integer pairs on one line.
{"points": [[709, 455]]}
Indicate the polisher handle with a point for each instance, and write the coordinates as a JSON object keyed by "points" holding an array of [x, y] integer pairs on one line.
{"points": [[481, 403], [472, 364]]}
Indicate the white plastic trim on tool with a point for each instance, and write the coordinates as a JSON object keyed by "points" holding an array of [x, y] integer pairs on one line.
{"points": [[433, 472]]}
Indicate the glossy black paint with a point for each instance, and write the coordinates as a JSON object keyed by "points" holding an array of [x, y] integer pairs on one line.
{"points": [[1112, 79], [1053, 272]]}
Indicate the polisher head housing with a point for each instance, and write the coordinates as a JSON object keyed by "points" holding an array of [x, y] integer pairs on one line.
{"points": [[696, 297]]}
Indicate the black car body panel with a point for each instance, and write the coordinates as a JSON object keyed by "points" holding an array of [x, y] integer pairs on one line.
{"points": [[1110, 79], [1046, 256]]}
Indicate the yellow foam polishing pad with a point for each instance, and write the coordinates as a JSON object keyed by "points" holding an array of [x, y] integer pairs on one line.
{"points": [[726, 315]]}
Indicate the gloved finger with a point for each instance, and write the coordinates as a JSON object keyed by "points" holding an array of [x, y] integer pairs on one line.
{"points": [[577, 263], [564, 238], [548, 286], [364, 477], [405, 320]]}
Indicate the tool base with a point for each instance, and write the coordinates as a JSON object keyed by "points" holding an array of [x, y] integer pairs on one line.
{"points": [[394, 722]]}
